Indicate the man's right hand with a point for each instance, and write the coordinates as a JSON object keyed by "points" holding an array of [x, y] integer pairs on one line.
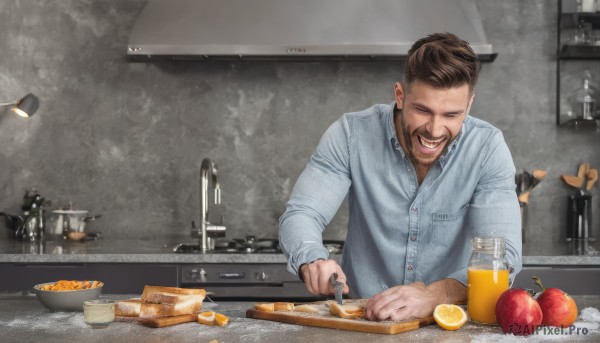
{"points": [[316, 276]]}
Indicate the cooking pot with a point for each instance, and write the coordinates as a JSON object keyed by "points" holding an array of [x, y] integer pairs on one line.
{"points": [[67, 221]]}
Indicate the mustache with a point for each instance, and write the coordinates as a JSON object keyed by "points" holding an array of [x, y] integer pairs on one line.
{"points": [[425, 134]]}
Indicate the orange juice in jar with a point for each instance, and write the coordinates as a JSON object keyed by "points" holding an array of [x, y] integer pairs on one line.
{"points": [[487, 278]]}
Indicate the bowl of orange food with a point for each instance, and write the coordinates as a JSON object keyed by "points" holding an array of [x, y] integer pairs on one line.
{"points": [[67, 295]]}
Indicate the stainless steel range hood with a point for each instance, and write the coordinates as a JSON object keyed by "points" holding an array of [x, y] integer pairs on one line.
{"points": [[299, 29]]}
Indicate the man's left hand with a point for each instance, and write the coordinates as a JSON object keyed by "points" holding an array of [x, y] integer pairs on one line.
{"points": [[403, 302]]}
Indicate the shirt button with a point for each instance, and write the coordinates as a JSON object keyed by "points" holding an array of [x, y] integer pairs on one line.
{"points": [[410, 267], [413, 238], [414, 209]]}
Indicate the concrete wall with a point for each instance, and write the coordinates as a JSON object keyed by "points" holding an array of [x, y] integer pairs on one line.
{"points": [[125, 140]]}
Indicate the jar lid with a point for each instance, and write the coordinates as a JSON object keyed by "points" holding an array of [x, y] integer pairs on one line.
{"points": [[489, 244]]}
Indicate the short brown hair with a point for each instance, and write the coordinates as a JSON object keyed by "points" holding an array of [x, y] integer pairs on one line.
{"points": [[442, 60]]}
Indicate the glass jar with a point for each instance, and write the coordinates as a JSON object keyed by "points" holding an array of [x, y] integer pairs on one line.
{"points": [[487, 275], [99, 313]]}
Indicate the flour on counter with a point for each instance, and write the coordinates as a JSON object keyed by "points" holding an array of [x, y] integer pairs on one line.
{"points": [[590, 314], [53, 321], [589, 320]]}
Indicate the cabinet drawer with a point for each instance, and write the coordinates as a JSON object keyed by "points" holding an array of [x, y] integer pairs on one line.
{"points": [[117, 278]]}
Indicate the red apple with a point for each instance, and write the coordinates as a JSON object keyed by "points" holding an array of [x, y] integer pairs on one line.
{"points": [[558, 307], [517, 312]]}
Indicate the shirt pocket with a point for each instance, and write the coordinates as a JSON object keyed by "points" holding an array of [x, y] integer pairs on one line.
{"points": [[445, 227]]}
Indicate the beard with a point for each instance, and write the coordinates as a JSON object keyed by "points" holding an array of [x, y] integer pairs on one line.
{"points": [[414, 154]]}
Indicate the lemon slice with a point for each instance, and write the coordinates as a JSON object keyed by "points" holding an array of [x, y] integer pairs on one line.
{"points": [[449, 317]]}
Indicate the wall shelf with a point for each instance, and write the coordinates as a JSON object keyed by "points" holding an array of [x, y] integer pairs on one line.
{"points": [[568, 53]]}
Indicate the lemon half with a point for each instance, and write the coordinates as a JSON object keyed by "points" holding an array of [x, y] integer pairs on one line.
{"points": [[449, 317]]}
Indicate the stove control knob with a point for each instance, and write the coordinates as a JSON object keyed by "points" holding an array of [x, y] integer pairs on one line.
{"points": [[262, 276], [194, 274]]}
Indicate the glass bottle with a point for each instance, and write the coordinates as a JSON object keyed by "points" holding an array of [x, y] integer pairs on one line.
{"points": [[584, 99], [487, 275]]}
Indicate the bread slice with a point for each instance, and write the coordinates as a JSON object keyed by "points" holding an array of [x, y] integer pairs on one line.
{"points": [[128, 307], [307, 308], [139, 308], [189, 305], [348, 311], [170, 295], [266, 307], [283, 306], [185, 300]]}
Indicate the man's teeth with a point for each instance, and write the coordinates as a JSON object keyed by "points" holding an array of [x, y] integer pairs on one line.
{"points": [[430, 144]]}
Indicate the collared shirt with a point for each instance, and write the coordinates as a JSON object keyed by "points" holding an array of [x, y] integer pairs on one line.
{"points": [[400, 232]]}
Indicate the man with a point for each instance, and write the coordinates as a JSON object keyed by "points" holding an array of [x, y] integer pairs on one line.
{"points": [[423, 178]]}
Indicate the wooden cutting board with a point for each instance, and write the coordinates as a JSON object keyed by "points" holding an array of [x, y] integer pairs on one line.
{"points": [[159, 322], [325, 320]]}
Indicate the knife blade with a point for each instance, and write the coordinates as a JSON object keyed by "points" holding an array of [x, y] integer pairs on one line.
{"points": [[338, 287]]}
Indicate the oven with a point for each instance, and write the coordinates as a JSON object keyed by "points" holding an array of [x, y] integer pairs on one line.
{"points": [[249, 281]]}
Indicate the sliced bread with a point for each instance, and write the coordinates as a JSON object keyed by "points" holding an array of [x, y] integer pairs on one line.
{"points": [[184, 300], [128, 307], [348, 311]]}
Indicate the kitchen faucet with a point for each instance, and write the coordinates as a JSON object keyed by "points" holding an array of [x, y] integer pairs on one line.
{"points": [[208, 230]]}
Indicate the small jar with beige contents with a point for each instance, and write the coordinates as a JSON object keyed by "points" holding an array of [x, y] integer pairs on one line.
{"points": [[99, 313]]}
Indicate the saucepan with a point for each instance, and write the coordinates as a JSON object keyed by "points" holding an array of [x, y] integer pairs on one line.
{"points": [[71, 223]]}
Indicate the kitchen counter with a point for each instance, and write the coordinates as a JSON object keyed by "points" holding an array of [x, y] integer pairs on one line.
{"points": [[161, 251], [23, 319]]}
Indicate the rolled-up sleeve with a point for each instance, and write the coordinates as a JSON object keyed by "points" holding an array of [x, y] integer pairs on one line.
{"points": [[316, 197]]}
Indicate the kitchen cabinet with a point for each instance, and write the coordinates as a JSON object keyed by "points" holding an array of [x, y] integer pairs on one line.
{"points": [[571, 279], [117, 278], [578, 50]]}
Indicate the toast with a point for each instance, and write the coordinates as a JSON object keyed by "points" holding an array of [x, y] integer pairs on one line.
{"points": [[183, 300], [278, 306], [128, 307], [161, 301], [138, 308], [348, 311], [266, 307], [307, 308], [283, 306]]}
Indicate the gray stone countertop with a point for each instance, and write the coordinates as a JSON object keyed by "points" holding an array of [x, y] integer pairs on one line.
{"points": [[160, 250], [23, 319]]}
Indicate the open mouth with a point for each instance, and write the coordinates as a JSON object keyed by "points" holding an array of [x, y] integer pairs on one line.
{"points": [[429, 146]]}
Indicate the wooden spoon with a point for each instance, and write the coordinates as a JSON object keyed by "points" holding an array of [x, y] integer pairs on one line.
{"points": [[583, 169], [592, 177], [573, 181]]}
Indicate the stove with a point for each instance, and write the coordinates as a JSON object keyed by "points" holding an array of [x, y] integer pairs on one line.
{"points": [[248, 281], [251, 245]]}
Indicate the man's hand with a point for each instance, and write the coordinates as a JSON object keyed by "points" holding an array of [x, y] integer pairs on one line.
{"points": [[414, 300], [316, 276]]}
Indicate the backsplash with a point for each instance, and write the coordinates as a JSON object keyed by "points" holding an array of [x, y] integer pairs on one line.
{"points": [[126, 140]]}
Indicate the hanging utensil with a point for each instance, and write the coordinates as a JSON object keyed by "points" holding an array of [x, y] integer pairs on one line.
{"points": [[581, 173], [572, 181], [538, 176]]}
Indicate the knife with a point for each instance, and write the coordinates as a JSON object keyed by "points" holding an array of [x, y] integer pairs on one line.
{"points": [[338, 287]]}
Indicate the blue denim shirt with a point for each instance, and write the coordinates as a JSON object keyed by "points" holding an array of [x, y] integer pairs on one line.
{"points": [[400, 232]]}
